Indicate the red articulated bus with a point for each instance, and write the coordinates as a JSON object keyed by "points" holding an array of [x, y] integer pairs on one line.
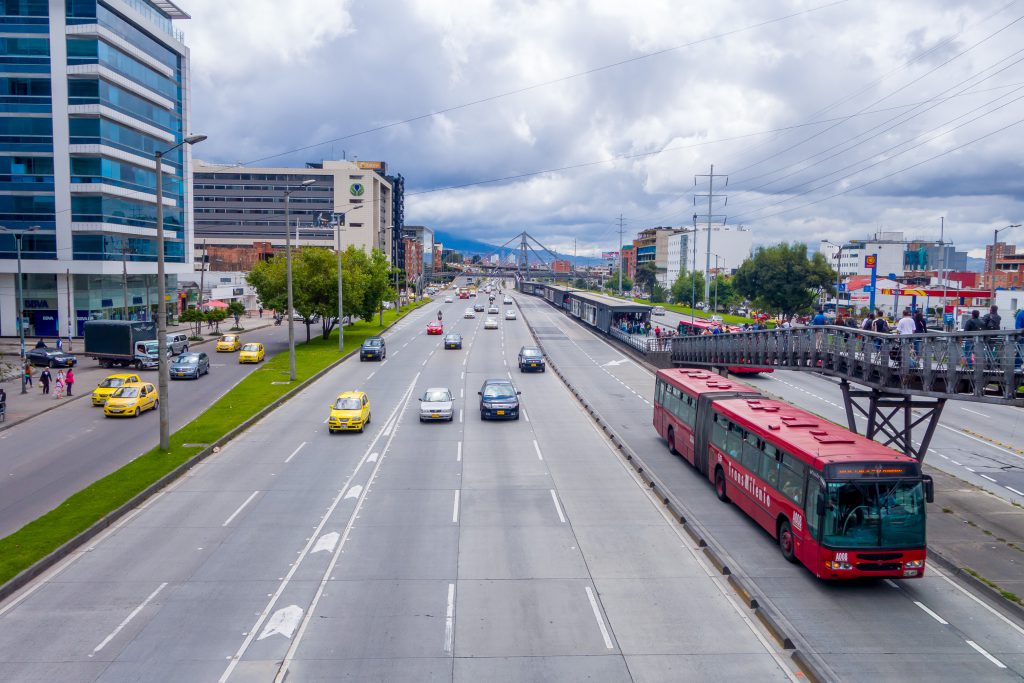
{"points": [[699, 325], [843, 505]]}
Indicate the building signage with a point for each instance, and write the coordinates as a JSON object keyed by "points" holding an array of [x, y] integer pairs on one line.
{"points": [[371, 165], [871, 260], [608, 255], [36, 303], [356, 189]]}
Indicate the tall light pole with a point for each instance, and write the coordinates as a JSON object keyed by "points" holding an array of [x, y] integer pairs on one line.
{"points": [[288, 275], [339, 223], [21, 297], [992, 262], [163, 377], [839, 275], [693, 275]]}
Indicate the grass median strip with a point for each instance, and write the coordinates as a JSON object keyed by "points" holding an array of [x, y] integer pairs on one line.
{"points": [[257, 390]]}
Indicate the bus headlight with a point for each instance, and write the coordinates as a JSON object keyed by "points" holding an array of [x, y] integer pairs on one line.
{"points": [[913, 564], [845, 566]]}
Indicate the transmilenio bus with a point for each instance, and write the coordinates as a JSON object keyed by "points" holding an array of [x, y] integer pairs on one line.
{"points": [[843, 505]]}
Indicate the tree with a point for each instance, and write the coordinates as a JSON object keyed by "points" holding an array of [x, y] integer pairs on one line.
{"points": [[725, 294], [613, 284], [646, 276], [579, 283], [781, 278], [315, 288], [195, 318], [686, 286], [657, 294], [214, 316], [236, 308], [268, 279]]}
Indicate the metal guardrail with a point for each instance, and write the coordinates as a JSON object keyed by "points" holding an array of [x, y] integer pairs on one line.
{"points": [[973, 366], [642, 343]]}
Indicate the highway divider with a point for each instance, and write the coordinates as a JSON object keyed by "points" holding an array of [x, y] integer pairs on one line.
{"points": [[41, 544], [808, 664]]}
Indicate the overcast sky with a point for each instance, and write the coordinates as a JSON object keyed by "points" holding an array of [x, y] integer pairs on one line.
{"points": [[898, 83]]}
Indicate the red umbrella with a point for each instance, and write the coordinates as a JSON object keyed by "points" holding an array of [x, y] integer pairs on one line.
{"points": [[216, 303]]}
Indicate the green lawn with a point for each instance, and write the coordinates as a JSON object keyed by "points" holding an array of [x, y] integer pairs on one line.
{"points": [[256, 391]]}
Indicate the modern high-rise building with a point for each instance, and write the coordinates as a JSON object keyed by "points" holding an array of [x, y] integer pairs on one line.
{"points": [[90, 90]]}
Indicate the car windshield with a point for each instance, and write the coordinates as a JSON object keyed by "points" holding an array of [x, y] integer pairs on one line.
{"points": [[229, 338], [112, 382], [499, 391], [348, 404], [874, 514], [436, 396], [251, 347], [127, 392], [151, 347], [372, 343], [188, 360], [453, 337], [531, 353]]}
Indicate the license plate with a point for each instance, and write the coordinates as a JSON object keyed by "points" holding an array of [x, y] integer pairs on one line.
{"points": [[533, 365], [501, 412], [435, 415]]}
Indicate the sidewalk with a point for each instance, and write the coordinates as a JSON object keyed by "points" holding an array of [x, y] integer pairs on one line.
{"points": [[87, 373], [979, 534]]}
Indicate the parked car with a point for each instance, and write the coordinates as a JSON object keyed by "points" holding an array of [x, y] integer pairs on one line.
{"points": [[373, 348], [51, 358], [531, 359], [437, 404], [190, 365], [499, 399]]}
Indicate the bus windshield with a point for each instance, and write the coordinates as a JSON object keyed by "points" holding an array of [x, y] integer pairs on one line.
{"points": [[874, 514]]}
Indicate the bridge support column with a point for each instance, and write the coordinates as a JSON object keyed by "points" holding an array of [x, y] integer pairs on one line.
{"points": [[883, 412]]}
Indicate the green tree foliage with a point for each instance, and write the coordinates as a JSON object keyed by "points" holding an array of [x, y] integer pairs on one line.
{"points": [[194, 317], [579, 283], [658, 294], [684, 288], [726, 292], [613, 283], [781, 278], [268, 279], [214, 316], [236, 308], [646, 276], [315, 288]]}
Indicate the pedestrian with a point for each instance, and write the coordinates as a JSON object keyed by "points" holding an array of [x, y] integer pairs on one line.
{"points": [[920, 324], [69, 380], [28, 374], [992, 320], [973, 324], [905, 325], [1018, 321], [657, 331], [60, 344], [45, 378], [58, 385], [818, 319], [869, 322], [40, 344], [261, 311]]}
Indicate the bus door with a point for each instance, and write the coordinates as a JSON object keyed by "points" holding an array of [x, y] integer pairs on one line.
{"points": [[701, 431]]}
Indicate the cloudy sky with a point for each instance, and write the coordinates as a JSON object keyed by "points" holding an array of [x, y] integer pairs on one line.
{"points": [[831, 119]]}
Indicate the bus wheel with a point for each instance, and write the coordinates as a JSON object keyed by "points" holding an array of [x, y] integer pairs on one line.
{"points": [[786, 541], [720, 486], [672, 441]]}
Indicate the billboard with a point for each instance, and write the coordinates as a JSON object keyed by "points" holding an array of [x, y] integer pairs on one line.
{"points": [[371, 165], [609, 255]]}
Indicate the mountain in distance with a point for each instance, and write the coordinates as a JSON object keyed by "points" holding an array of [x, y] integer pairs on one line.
{"points": [[975, 265], [470, 247]]}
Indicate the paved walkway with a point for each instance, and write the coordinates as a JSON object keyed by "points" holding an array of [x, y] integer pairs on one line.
{"points": [[87, 374]]}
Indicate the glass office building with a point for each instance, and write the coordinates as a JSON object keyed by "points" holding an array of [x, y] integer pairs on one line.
{"points": [[89, 91]]}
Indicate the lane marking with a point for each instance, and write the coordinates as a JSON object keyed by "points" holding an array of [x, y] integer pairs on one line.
{"points": [[449, 619], [455, 508], [891, 583], [526, 415], [600, 620], [558, 506], [295, 452], [976, 413], [985, 654], [370, 376], [1010, 488], [992, 610], [326, 542], [985, 476], [134, 613], [283, 622], [458, 454], [240, 508], [932, 614], [537, 448], [460, 415], [463, 374], [969, 469]]}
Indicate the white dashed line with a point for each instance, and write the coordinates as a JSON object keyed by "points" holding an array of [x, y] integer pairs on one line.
{"points": [[455, 509], [1010, 488], [131, 616], [600, 619], [296, 451], [537, 448], [986, 655], [240, 508], [985, 476], [932, 614], [458, 454]]}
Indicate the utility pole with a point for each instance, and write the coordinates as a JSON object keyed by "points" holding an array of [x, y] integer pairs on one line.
{"points": [[202, 276], [72, 316], [709, 217], [620, 254], [942, 273], [693, 275]]}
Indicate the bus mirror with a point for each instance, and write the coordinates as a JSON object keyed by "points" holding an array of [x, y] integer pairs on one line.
{"points": [[929, 488]]}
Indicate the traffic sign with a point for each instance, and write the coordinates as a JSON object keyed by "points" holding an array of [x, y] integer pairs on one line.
{"points": [[868, 289], [871, 260]]}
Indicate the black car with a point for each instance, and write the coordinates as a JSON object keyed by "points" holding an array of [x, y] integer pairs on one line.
{"points": [[499, 399], [453, 340], [190, 365], [531, 359], [51, 358], [373, 348]]}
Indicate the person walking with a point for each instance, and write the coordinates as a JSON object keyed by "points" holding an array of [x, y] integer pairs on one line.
{"points": [[58, 385], [973, 324], [45, 378], [69, 380], [28, 374]]}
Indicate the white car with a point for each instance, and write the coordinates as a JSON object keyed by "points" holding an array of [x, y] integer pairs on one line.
{"points": [[507, 301], [510, 314], [448, 299], [658, 310], [493, 310], [490, 324], [716, 318], [437, 404], [469, 313]]}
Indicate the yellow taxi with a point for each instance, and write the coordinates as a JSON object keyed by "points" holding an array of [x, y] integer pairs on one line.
{"points": [[251, 353], [111, 384], [131, 399], [350, 411], [229, 342]]}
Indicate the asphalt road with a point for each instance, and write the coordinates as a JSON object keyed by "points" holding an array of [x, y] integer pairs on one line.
{"points": [[56, 454], [977, 442], [926, 629], [464, 551]]}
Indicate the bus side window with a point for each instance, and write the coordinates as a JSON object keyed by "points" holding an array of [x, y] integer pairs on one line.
{"points": [[769, 470], [815, 493], [734, 441], [751, 452], [791, 478], [718, 432], [659, 391]]}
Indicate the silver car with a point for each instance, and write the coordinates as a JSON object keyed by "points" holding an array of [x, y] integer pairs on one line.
{"points": [[437, 404]]}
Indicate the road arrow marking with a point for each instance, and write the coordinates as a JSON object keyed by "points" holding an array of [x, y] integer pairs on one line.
{"points": [[372, 458], [326, 542], [354, 491], [614, 363], [283, 622]]}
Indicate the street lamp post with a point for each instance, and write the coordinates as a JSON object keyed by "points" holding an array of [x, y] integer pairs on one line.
{"points": [[288, 276], [839, 276], [992, 261], [163, 377], [21, 298], [693, 276]]}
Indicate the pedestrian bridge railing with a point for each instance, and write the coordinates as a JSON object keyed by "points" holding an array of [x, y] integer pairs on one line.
{"points": [[974, 366]]}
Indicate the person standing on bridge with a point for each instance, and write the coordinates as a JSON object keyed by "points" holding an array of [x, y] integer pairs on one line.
{"points": [[1018, 324], [973, 324], [992, 320]]}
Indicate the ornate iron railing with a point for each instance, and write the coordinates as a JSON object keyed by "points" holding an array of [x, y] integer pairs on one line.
{"points": [[976, 366]]}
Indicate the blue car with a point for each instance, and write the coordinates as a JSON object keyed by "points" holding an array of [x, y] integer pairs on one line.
{"points": [[499, 400]]}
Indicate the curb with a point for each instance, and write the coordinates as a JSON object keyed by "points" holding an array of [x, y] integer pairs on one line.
{"points": [[24, 577], [5, 425], [808, 663]]}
